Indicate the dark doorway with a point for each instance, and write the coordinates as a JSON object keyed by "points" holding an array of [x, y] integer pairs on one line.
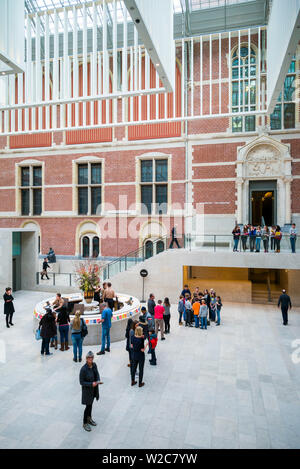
{"points": [[263, 208], [263, 203]]}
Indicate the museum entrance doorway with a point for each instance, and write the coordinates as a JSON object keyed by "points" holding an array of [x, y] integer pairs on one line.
{"points": [[263, 203]]}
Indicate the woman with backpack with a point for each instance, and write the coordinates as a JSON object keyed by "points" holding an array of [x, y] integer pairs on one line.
{"points": [[78, 332]]}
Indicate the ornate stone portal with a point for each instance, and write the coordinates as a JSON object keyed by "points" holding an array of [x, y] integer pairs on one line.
{"points": [[264, 159]]}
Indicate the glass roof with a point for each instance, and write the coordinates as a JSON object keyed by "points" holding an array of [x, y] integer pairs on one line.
{"points": [[204, 4]]}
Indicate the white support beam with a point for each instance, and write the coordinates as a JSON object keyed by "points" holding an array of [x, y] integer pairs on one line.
{"points": [[283, 38]]}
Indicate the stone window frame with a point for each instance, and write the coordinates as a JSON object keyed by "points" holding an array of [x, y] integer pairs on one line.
{"points": [[18, 175], [153, 156], [87, 160], [233, 50]]}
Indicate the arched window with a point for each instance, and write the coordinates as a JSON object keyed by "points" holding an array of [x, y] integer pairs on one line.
{"points": [[160, 247], [85, 246], [244, 82], [148, 249], [95, 246]]}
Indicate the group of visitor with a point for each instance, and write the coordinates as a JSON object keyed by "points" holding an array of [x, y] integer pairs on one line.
{"points": [[256, 238], [57, 317], [199, 308]]}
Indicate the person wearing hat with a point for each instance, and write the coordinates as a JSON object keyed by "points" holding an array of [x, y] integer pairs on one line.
{"points": [[89, 379], [285, 302]]}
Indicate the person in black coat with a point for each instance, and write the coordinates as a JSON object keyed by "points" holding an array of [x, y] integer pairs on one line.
{"points": [[138, 356], [285, 302], [8, 306], [44, 269], [47, 327], [89, 379]]}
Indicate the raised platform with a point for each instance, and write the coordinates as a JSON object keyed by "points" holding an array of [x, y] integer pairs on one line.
{"points": [[92, 317]]}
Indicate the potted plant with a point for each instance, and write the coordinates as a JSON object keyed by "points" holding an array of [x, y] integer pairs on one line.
{"points": [[88, 278]]}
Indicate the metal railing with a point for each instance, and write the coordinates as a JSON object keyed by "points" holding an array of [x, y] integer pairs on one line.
{"points": [[213, 243]]}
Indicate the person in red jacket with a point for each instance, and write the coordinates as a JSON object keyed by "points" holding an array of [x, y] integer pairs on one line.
{"points": [[159, 319], [152, 346]]}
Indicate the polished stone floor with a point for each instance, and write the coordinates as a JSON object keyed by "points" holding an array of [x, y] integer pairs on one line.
{"points": [[234, 386]]}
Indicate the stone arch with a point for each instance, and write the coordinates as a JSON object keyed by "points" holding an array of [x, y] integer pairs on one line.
{"points": [[264, 159], [89, 229], [33, 225], [151, 231]]}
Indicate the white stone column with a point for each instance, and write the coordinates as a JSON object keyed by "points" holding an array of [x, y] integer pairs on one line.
{"points": [[288, 202], [246, 202], [239, 213], [280, 202]]}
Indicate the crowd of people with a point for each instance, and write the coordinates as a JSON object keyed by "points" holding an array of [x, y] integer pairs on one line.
{"points": [[197, 309], [256, 238]]}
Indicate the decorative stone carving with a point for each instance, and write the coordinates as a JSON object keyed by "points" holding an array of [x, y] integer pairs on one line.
{"points": [[263, 161]]}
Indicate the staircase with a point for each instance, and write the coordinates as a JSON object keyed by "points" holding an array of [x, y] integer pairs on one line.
{"points": [[260, 294]]}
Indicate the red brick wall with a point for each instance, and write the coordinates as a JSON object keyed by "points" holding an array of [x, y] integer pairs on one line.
{"points": [[216, 153], [211, 192]]}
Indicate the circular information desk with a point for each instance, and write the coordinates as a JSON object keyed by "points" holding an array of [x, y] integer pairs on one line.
{"points": [[92, 316]]}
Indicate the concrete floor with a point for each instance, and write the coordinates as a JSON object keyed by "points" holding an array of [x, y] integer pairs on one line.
{"points": [[234, 386]]}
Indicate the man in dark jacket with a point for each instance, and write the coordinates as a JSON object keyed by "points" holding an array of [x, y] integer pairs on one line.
{"points": [[89, 379], [48, 330], [285, 302], [174, 238], [144, 325], [151, 305]]}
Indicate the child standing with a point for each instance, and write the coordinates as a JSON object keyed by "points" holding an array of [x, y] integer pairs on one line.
{"points": [[203, 314], [152, 346], [196, 309]]}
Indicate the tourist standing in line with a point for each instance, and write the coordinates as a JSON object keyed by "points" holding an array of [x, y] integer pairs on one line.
{"points": [[174, 237], [265, 235], [167, 315], [47, 328], [106, 325], [143, 323], [188, 312], [185, 291], [213, 307], [207, 301], [44, 269], [151, 305], [258, 239], [285, 302], [293, 237], [8, 306], [181, 309], [63, 321], [159, 319], [127, 337], [218, 307], [196, 309], [89, 379], [244, 236], [236, 238], [109, 296], [252, 237], [76, 333], [138, 356], [278, 236], [272, 237], [203, 314]]}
